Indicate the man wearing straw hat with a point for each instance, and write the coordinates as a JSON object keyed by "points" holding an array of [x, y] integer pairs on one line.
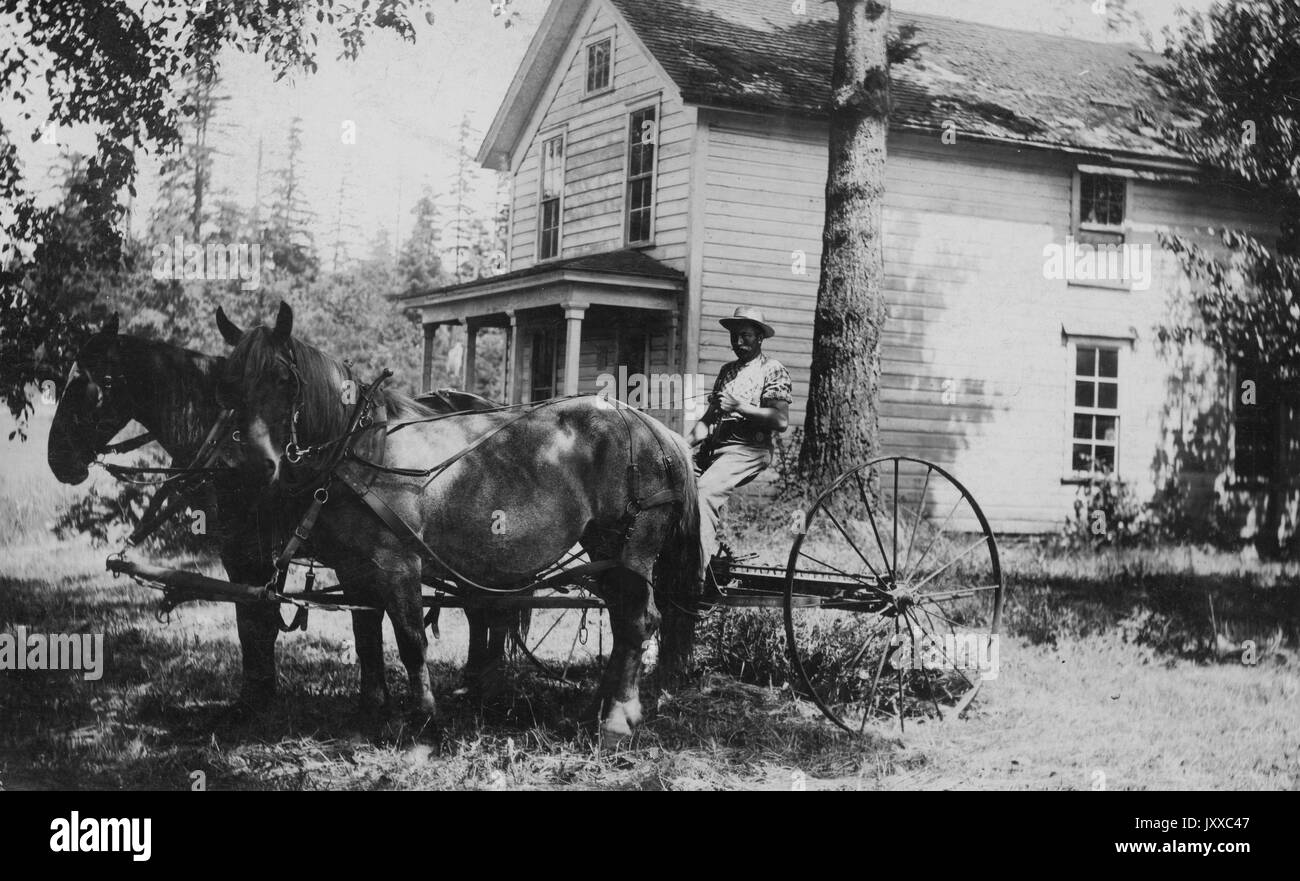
{"points": [[750, 403]]}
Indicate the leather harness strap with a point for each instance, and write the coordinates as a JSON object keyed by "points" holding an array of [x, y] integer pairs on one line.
{"points": [[364, 491], [156, 514]]}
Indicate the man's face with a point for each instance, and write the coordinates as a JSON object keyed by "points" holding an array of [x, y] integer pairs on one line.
{"points": [[746, 341]]}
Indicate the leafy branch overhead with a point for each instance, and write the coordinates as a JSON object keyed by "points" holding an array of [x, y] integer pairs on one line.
{"points": [[120, 67]]}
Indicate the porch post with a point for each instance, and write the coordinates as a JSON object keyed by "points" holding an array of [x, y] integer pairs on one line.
{"points": [[469, 374], [512, 356], [572, 346], [677, 416], [426, 372]]}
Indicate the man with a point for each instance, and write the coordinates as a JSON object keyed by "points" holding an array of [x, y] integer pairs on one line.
{"points": [[750, 403]]}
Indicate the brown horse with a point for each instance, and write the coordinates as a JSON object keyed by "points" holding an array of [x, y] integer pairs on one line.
{"points": [[171, 391], [500, 495]]}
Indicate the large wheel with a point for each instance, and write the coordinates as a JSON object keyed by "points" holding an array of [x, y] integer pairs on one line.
{"points": [[893, 596]]}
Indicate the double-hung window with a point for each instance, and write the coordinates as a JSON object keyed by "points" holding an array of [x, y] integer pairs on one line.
{"points": [[549, 212], [1094, 441], [642, 141]]}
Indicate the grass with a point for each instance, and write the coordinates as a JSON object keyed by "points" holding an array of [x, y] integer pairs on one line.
{"points": [[1110, 674]]}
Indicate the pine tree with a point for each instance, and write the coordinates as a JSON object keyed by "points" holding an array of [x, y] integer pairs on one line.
{"points": [[460, 226], [419, 263], [288, 234]]}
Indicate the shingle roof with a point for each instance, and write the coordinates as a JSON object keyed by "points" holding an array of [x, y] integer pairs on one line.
{"points": [[992, 82]]}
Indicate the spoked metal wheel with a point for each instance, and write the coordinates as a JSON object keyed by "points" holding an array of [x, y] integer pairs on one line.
{"points": [[563, 633], [893, 596]]}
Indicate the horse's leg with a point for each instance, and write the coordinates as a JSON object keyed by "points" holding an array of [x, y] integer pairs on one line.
{"points": [[368, 634], [633, 620], [402, 592], [258, 626], [492, 674], [478, 631]]}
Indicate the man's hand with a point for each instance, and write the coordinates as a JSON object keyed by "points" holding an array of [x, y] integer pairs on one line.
{"points": [[699, 431], [729, 403]]}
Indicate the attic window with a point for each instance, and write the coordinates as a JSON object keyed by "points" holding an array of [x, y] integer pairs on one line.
{"points": [[599, 65], [1102, 200]]}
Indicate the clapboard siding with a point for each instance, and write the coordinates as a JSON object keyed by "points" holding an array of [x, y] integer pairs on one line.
{"points": [[973, 354], [596, 154]]}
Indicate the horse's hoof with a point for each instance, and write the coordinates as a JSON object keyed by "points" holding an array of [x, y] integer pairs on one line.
{"points": [[237, 713], [619, 724], [256, 696], [613, 740]]}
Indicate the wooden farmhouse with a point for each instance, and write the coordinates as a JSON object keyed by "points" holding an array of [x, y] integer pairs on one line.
{"points": [[668, 162]]}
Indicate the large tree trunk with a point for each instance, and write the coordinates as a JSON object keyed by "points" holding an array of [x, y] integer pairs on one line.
{"points": [[841, 427]]}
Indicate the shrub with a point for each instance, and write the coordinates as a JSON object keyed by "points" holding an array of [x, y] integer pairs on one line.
{"points": [[109, 517]]}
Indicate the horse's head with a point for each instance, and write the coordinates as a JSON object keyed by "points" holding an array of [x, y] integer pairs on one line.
{"points": [[286, 394], [95, 406]]}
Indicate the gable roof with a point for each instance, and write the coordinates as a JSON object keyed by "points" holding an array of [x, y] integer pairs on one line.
{"points": [[993, 83]]}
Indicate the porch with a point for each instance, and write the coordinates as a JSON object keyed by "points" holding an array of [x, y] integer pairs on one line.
{"points": [[567, 323]]}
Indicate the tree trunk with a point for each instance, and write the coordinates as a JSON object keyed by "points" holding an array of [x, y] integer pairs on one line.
{"points": [[841, 426]]}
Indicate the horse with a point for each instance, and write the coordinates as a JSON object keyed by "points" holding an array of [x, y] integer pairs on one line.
{"points": [[171, 391], [508, 494]]}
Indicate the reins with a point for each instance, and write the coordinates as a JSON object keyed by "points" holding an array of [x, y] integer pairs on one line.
{"points": [[342, 449]]}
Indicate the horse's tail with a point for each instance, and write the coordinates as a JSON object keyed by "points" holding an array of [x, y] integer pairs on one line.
{"points": [[679, 571]]}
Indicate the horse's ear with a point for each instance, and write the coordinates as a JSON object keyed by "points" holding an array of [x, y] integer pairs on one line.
{"points": [[229, 331], [110, 326], [284, 323]]}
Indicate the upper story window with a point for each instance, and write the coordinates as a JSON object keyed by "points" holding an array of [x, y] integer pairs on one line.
{"points": [[549, 212], [642, 139], [1094, 443], [600, 66], [1102, 205]]}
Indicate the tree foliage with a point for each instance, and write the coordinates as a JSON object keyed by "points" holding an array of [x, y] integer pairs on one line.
{"points": [[1238, 67], [118, 67]]}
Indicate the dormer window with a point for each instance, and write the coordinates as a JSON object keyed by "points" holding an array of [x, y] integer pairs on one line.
{"points": [[600, 65]]}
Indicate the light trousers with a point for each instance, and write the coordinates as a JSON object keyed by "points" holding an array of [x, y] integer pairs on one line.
{"points": [[732, 465]]}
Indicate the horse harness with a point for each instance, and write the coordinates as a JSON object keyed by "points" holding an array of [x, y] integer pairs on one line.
{"points": [[362, 422]]}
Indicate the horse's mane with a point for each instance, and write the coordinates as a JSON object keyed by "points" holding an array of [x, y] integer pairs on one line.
{"points": [[323, 415], [181, 386]]}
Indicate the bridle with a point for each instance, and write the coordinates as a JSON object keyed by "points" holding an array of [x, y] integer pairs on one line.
{"points": [[293, 451]]}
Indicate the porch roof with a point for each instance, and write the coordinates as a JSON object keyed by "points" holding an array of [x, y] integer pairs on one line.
{"points": [[614, 278]]}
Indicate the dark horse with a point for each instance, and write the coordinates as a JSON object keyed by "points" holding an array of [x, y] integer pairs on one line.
{"points": [[171, 391], [511, 491]]}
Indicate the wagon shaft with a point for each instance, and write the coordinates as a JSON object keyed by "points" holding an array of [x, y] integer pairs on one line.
{"points": [[200, 587]]}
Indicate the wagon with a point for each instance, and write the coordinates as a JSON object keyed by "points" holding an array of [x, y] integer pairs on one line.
{"points": [[891, 593]]}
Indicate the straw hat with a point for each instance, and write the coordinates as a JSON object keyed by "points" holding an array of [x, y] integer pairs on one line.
{"points": [[750, 315]]}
